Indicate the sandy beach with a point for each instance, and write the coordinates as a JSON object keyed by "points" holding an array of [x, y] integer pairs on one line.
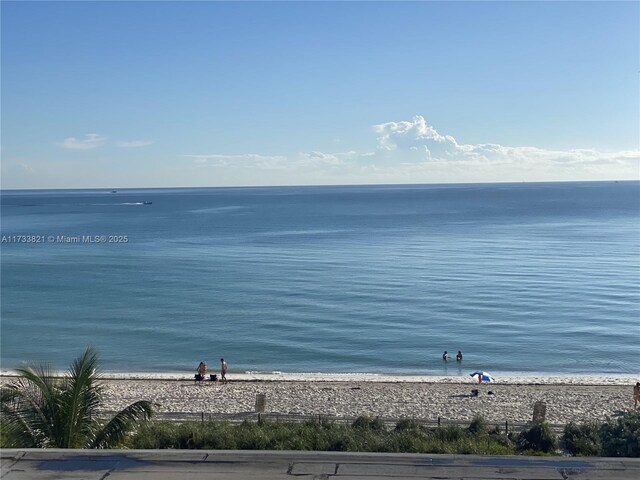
{"points": [[567, 398]]}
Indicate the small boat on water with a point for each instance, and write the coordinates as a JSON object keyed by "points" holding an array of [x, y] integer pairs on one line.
{"points": [[147, 203], [114, 191]]}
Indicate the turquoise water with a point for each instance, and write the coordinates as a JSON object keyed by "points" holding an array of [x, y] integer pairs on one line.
{"points": [[533, 278]]}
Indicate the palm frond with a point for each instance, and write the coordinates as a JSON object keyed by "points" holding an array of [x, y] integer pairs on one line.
{"points": [[81, 399], [18, 432], [30, 405], [41, 410], [122, 423]]}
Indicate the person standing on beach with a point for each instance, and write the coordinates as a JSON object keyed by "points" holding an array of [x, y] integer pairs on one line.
{"points": [[223, 370], [445, 356], [202, 371], [636, 395]]}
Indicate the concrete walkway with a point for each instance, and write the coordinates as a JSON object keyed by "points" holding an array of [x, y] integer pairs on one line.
{"points": [[32, 464]]}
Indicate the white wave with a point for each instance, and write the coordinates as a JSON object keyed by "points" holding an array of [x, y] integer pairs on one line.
{"points": [[229, 208], [248, 376], [283, 233], [112, 204]]}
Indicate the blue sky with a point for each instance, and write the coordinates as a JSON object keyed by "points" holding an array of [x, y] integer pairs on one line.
{"points": [[128, 94]]}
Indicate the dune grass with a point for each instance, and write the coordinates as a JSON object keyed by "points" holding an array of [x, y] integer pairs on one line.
{"points": [[363, 435]]}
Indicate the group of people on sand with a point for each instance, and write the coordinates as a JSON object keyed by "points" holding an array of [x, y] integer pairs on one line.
{"points": [[445, 356], [202, 372]]}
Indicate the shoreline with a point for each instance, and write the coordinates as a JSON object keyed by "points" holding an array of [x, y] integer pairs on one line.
{"points": [[510, 379]]}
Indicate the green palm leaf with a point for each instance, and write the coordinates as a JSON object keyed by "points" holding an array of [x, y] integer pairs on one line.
{"points": [[122, 423], [81, 398], [18, 431], [30, 406], [42, 410]]}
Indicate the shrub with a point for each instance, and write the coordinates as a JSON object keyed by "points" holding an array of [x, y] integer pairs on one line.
{"points": [[621, 438], [367, 435], [499, 445], [368, 423], [582, 439], [478, 425], [341, 444], [187, 435], [501, 439], [450, 433], [155, 435], [538, 437], [407, 424], [321, 423]]}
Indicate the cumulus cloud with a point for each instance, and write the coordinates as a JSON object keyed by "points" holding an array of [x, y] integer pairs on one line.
{"points": [[415, 141], [392, 135], [412, 151], [134, 143], [89, 142]]}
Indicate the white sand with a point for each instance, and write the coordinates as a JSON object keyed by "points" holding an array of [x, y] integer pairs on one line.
{"points": [[567, 398]]}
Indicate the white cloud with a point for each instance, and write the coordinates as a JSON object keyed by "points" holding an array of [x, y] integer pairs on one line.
{"points": [[416, 142], [392, 135], [408, 151], [93, 140], [414, 152], [272, 162], [90, 141], [134, 143], [326, 159], [302, 160]]}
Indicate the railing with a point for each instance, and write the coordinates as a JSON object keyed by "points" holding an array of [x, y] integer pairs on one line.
{"points": [[504, 426]]}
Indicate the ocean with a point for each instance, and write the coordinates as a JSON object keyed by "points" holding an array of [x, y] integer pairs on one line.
{"points": [[527, 278]]}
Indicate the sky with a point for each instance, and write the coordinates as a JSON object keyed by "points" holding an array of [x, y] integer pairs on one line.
{"points": [[205, 94]]}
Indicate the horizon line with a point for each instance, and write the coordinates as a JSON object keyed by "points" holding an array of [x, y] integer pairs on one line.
{"points": [[311, 185]]}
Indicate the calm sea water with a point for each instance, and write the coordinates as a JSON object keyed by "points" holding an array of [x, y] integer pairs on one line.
{"points": [[533, 278]]}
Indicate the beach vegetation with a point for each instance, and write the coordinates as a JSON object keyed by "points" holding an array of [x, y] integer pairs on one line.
{"points": [[621, 438], [583, 440], [618, 437], [537, 438], [405, 424], [368, 423], [479, 425], [450, 433], [40, 409], [363, 435]]}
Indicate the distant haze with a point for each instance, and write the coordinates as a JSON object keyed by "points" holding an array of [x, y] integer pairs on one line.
{"points": [[161, 94]]}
